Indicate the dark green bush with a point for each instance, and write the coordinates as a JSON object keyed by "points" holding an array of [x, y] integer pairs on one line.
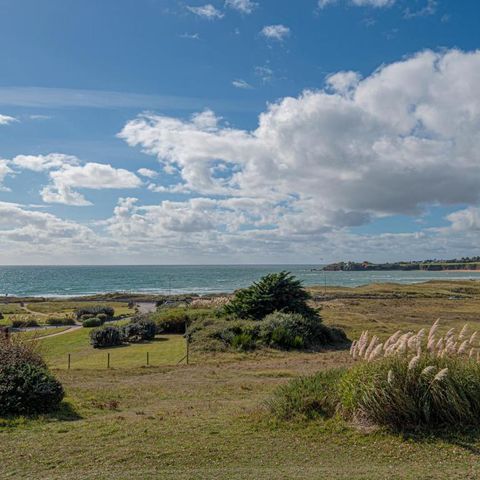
{"points": [[1, 316], [103, 317], [27, 389], [17, 323], [26, 385], [58, 321], [307, 397], [139, 330], [92, 322], [108, 336], [94, 311], [273, 292]]}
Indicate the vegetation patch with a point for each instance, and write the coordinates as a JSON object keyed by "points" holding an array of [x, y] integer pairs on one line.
{"points": [[26, 385], [410, 381]]}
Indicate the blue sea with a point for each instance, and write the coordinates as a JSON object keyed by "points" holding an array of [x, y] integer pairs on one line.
{"points": [[64, 281]]}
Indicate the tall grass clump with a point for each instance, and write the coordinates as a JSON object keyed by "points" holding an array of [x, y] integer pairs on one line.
{"points": [[411, 380], [307, 397]]}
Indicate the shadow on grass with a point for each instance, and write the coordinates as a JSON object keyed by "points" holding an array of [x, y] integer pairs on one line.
{"points": [[467, 438], [64, 413]]}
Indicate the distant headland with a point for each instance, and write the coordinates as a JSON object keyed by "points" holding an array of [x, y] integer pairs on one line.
{"points": [[468, 263]]}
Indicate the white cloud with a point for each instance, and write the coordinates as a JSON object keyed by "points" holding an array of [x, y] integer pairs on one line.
{"points": [[146, 172], [275, 32], [206, 11], [39, 163], [239, 83], [243, 6], [38, 231], [4, 171], [465, 220], [359, 3], [401, 139], [190, 36], [96, 176], [6, 120]]}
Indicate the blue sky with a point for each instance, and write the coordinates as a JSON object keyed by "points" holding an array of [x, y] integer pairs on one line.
{"points": [[129, 130]]}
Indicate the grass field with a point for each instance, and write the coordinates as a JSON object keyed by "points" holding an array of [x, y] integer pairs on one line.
{"points": [[207, 420], [164, 350]]}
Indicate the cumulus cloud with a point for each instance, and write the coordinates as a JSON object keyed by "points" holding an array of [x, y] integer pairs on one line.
{"points": [[5, 119], [39, 163], [4, 171], [392, 143], [207, 11], [275, 32], [21, 225], [243, 6], [96, 176], [146, 172]]}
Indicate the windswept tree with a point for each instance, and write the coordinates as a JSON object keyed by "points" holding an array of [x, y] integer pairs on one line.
{"points": [[274, 292]]}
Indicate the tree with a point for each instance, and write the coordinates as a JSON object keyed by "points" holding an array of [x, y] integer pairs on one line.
{"points": [[273, 292]]}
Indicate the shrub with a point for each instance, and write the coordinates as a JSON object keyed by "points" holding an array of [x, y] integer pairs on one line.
{"points": [[140, 329], [307, 397], [274, 292], [92, 322], [26, 385], [94, 311], [108, 336], [60, 321], [103, 317], [24, 323], [291, 330], [243, 341], [1, 316], [173, 320]]}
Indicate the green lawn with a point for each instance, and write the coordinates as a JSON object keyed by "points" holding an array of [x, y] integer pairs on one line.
{"points": [[164, 350], [64, 307]]}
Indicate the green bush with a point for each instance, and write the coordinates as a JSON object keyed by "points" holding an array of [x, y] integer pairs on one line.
{"points": [[139, 330], [17, 323], [95, 310], [273, 292], [26, 385], [173, 320], [1, 316], [243, 341], [291, 330], [435, 392], [60, 321], [103, 317], [92, 322], [307, 397], [108, 336]]}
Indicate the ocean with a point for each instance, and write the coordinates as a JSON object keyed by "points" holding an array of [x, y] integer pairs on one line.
{"points": [[65, 281]]}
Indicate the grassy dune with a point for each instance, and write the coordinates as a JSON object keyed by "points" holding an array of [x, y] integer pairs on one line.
{"points": [[206, 420]]}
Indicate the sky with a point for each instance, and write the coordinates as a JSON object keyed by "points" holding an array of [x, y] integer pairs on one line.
{"points": [[238, 131]]}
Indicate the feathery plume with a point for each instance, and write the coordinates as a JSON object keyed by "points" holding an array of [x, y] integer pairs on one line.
{"points": [[433, 329], [375, 352], [428, 370], [473, 337], [440, 375], [463, 333], [463, 347], [413, 362], [390, 377]]}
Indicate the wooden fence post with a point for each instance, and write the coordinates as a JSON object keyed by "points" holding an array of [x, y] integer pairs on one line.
{"points": [[108, 360]]}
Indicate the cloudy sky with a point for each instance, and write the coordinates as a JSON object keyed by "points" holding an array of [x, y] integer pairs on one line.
{"points": [[238, 131]]}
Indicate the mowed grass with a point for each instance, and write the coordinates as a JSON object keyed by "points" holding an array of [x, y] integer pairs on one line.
{"points": [[207, 420], [164, 350], [59, 307]]}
